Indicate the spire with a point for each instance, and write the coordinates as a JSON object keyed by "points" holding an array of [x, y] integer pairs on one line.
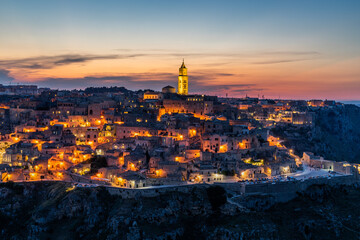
{"points": [[183, 64]]}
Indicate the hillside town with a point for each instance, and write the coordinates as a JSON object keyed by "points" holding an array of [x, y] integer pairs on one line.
{"points": [[144, 139]]}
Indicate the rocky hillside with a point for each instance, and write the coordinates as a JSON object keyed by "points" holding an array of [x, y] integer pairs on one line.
{"points": [[335, 134], [56, 211]]}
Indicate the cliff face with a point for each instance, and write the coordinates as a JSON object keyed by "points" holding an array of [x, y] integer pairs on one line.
{"points": [[56, 211], [335, 134]]}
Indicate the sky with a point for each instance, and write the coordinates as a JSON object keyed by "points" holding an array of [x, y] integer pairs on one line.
{"points": [[272, 48]]}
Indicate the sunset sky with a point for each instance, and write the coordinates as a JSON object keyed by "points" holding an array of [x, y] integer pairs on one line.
{"points": [[287, 49]]}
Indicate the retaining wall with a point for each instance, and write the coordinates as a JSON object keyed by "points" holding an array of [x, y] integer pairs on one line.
{"points": [[283, 191], [152, 192]]}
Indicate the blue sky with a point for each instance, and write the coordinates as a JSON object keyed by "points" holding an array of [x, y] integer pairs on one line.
{"points": [[317, 35]]}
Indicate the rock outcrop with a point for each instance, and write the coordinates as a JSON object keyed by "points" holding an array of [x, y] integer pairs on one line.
{"points": [[55, 211]]}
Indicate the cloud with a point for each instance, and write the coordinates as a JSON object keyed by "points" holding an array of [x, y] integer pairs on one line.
{"points": [[281, 61], [210, 52], [132, 81], [218, 88], [5, 77], [293, 53], [198, 83], [48, 62]]}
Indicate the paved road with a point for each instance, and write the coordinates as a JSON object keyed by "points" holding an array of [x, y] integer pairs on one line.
{"points": [[309, 172]]}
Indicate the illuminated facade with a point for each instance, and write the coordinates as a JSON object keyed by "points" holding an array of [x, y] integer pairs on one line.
{"points": [[183, 85], [194, 139], [151, 95]]}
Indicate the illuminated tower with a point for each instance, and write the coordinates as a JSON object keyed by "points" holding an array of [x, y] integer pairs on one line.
{"points": [[183, 86]]}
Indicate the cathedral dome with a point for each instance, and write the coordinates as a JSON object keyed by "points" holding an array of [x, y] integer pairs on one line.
{"points": [[168, 89]]}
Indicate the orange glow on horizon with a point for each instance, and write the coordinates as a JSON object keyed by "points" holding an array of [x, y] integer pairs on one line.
{"points": [[292, 80]]}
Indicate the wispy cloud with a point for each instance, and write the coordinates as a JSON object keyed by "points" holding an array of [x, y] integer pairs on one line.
{"points": [[210, 52], [142, 80], [199, 83], [209, 79], [47, 62], [287, 53], [282, 61], [221, 89]]}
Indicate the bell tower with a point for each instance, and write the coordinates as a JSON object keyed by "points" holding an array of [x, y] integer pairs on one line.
{"points": [[183, 80]]}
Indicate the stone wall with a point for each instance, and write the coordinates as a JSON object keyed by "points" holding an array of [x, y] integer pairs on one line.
{"points": [[285, 191], [282, 191], [152, 192]]}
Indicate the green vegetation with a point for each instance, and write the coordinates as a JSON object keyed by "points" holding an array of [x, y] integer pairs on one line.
{"points": [[257, 162]]}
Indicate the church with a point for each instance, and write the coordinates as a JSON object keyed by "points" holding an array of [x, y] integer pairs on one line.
{"points": [[180, 101], [183, 83]]}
